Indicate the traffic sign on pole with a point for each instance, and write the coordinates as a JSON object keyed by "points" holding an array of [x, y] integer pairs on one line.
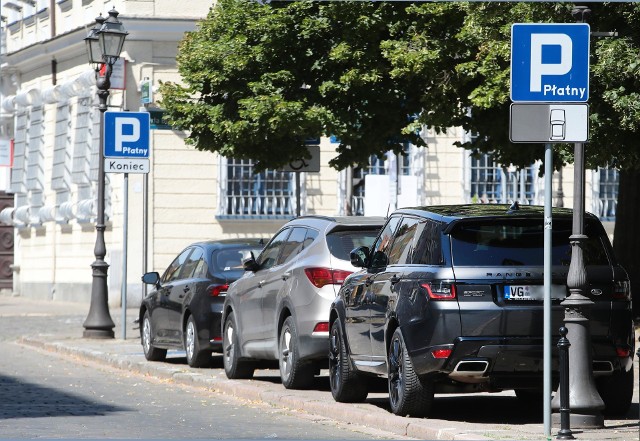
{"points": [[550, 62], [549, 122], [126, 135]]}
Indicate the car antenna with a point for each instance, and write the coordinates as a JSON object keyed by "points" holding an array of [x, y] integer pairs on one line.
{"points": [[514, 207]]}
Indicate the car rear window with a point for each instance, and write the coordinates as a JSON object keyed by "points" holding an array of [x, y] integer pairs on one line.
{"points": [[342, 242], [231, 259], [520, 242]]}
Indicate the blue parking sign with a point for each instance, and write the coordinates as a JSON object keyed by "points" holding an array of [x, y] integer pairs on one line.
{"points": [[550, 62], [126, 134]]}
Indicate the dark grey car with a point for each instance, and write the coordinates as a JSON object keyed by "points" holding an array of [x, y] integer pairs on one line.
{"points": [[279, 309], [184, 309], [450, 300]]}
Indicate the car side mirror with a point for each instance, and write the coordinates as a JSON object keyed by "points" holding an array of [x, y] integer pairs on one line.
{"points": [[379, 260], [152, 278], [250, 264], [359, 257]]}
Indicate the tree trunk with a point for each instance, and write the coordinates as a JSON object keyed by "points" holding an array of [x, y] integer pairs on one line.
{"points": [[626, 238]]}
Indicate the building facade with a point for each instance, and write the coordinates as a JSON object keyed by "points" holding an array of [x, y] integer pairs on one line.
{"points": [[50, 120]]}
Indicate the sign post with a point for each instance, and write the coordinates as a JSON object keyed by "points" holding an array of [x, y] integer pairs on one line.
{"points": [[549, 90], [126, 150]]}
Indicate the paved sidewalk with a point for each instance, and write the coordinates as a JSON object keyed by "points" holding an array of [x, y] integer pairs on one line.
{"points": [[456, 417]]}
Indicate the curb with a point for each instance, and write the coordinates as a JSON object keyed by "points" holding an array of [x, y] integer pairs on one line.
{"points": [[346, 413]]}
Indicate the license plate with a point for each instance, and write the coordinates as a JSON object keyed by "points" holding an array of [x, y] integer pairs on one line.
{"points": [[532, 292]]}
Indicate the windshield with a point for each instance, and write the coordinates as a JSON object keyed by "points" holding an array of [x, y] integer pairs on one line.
{"points": [[519, 242]]}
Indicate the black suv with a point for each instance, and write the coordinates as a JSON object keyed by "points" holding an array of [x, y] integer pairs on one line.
{"points": [[450, 299]]}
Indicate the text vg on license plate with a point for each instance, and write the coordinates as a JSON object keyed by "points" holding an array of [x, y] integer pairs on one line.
{"points": [[532, 292]]}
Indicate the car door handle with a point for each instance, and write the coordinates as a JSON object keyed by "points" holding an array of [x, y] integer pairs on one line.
{"points": [[261, 283], [286, 275], [394, 279], [186, 289]]}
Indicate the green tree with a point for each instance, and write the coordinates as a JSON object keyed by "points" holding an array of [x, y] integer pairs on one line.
{"points": [[260, 79], [614, 100]]}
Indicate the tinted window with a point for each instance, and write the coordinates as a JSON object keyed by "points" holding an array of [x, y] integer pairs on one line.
{"points": [[293, 246], [173, 271], [380, 249], [404, 241], [520, 242], [190, 265], [269, 255], [341, 243], [231, 259], [428, 249]]}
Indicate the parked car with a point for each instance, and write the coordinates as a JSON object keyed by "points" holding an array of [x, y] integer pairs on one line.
{"points": [[279, 309], [450, 299], [184, 309]]}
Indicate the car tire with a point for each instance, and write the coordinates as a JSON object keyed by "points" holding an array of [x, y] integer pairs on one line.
{"points": [[234, 367], [347, 386], [408, 393], [147, 333], [616, 391], [196, 357], [294, 373]]}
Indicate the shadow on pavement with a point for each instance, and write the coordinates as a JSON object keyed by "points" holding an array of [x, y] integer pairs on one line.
{"points": [[34, 401]]}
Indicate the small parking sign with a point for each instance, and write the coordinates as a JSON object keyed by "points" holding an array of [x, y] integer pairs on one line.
{"points": [[550, 62], [126, 135]]}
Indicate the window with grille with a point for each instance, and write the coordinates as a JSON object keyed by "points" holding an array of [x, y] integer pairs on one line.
{"points": [[608, 193], [269, 193], [491, 183]]}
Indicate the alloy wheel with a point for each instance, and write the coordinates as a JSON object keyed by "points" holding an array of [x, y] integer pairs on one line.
{"points": [[286, 357], [396, 377], [228, 344], [146, 335], [190, 340], [335, 362]]}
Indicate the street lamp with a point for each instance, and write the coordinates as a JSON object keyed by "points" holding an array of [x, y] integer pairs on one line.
{"points": [[584, 401], [104, 44]]}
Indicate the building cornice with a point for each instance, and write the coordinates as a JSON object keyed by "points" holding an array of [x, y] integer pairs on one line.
{"points": [[71, 44]]}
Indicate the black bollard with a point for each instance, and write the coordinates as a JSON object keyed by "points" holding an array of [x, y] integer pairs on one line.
{"points": [[565, 412]]}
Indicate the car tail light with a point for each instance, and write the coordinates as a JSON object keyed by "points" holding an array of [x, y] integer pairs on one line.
{"points": [[622, 290], [441, 353], [217, 290], [440, 290], [320, 277], [321, 327], [623, 352]]}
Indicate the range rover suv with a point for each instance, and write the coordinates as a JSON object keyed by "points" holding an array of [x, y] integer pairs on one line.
{"points": [[450, 299]]}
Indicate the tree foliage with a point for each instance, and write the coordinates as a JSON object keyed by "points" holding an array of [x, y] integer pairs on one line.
{"points": [[260, 79]]}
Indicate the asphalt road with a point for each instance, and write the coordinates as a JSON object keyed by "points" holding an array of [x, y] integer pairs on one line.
{"points": [[76, 379], [47, 396]]}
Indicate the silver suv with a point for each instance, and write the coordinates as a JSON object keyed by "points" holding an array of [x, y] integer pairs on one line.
{"points": [[279, 309]]}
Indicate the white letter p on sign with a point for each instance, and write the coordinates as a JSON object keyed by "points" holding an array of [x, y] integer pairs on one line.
{"points": [[120, 137], [538, 68]]}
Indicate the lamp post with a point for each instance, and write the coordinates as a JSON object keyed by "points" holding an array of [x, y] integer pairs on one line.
{"points": [[584, 401], [104, 44]]}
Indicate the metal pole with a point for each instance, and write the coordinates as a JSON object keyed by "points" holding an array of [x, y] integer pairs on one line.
{"points": [[125, 238], [565, 411], [98, 323], [548, 229], [145, 224], [297, 193]]}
